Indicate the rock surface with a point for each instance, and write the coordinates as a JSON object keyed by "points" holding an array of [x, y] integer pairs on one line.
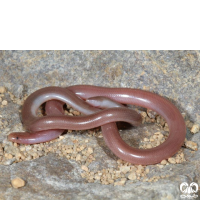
{"points": [[172, 74]]}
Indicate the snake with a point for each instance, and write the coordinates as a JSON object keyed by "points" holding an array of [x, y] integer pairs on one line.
{"points": [[100, 106]]}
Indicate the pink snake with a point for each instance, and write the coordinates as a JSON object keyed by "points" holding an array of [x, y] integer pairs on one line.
{"points": [[87, 99]]}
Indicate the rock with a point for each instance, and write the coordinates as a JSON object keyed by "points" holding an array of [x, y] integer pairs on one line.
{"points": [[4, 103], [195, 128], [85, 168], [2, 89], [132, 176], [125, 169], [121, 182], [171, 160], [18, 182], [191, 145], [172, 74], [163, 162], [9, 162]]}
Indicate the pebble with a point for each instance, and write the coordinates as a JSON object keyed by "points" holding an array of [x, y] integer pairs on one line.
{"points": [[85, 168], [166, 128], [191, 145], [160, 120], [76, 112], [140, 169], [8, 155], [171, 160], [148, 119], [184, 115], [97, 177], [2, 89], [195, 128], [90, 150], [78, 157], [160, 166], [4, 102], [189, 124], [148, 146], [125, 169], [69, 151], [9, 162], [143, 114], [152, 114], [18, 182], [132, 176], [82, 147], [22, 148], [121, 182], [163, 162]]}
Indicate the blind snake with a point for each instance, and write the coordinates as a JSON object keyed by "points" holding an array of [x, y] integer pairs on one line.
{"points": [[46, 128]]}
